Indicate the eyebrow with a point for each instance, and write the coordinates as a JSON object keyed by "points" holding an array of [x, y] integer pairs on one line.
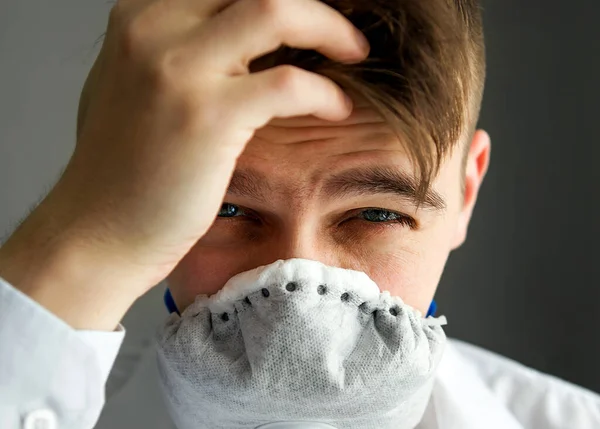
{"points": [[361, 181], [381, 180], [249, 183]]}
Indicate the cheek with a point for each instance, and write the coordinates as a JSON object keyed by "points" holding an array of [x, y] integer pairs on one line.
{"points": [[409, 269], [204, 270], [407, 264]]}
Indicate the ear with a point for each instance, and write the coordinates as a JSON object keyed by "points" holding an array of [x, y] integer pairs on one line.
{"points": [[478, 160]]}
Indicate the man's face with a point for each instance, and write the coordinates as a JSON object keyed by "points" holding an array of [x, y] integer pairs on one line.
{"points": [[293, 196]]}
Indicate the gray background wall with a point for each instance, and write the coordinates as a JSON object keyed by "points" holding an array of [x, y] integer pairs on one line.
{"points": [[525, 284]]}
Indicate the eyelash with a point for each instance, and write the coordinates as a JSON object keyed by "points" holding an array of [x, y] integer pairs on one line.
{"points": [[401, 219]]}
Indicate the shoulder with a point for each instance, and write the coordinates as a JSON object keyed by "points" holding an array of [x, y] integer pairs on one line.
{"points": [[535, 398]]}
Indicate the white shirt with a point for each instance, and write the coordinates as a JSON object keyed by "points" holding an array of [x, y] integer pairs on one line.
{"points": [[52, 376]]}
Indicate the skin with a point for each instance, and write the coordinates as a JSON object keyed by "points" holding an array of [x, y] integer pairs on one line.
{"points": [[169, 112], [297, 221]]}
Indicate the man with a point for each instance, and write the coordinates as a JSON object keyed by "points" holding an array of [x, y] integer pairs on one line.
{"points": [[302, 233]]}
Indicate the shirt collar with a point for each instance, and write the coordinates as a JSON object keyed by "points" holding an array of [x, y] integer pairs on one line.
{"points": [[461, 400]]}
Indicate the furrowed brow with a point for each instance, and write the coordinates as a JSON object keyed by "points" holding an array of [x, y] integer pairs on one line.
{"points": [[249, 183], [380, 180]]}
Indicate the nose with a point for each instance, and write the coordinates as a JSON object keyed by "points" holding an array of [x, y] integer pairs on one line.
{"points": [[300, 240]]}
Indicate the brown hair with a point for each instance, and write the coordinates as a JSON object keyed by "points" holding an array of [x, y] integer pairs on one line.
{"points": [[425, 72]]}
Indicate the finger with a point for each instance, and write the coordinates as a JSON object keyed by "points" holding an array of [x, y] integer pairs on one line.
{"points": [[251, 28], [360, 115], [286, 91]]}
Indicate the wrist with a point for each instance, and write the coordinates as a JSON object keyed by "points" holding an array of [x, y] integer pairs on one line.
{"points": [[86, 285]]}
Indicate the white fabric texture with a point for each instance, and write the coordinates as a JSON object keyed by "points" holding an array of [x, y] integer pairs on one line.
{"points": [[535, 399], [474, 388], [297, 340], [47, 365]]}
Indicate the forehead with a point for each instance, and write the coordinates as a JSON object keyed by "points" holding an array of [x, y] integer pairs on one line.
{"points": [[308, 146], [311, 159], [304, 158]]}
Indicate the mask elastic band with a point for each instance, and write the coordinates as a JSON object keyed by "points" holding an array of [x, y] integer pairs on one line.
{"points": [[170, 302], [172, 308], [432, 308]]}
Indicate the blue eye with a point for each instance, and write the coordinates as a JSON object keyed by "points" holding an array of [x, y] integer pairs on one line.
{"points": [[375, 215], [372, 215], [229, 210]]}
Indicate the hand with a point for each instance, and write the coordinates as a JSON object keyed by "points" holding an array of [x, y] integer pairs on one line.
{"points": [[173, 106], [167, 109]]}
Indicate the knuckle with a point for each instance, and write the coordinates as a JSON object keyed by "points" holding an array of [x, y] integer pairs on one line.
{"points": [[271, 9], [288, 79], [268, 6], [132, 35], [170, 71], [166, 71]]}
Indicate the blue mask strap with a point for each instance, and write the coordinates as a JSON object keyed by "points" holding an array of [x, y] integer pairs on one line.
{"points": [[170, 302], [432, 309], [172, 308]]}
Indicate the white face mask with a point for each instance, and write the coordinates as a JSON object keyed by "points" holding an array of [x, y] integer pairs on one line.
{"points": [[299, 341]]}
